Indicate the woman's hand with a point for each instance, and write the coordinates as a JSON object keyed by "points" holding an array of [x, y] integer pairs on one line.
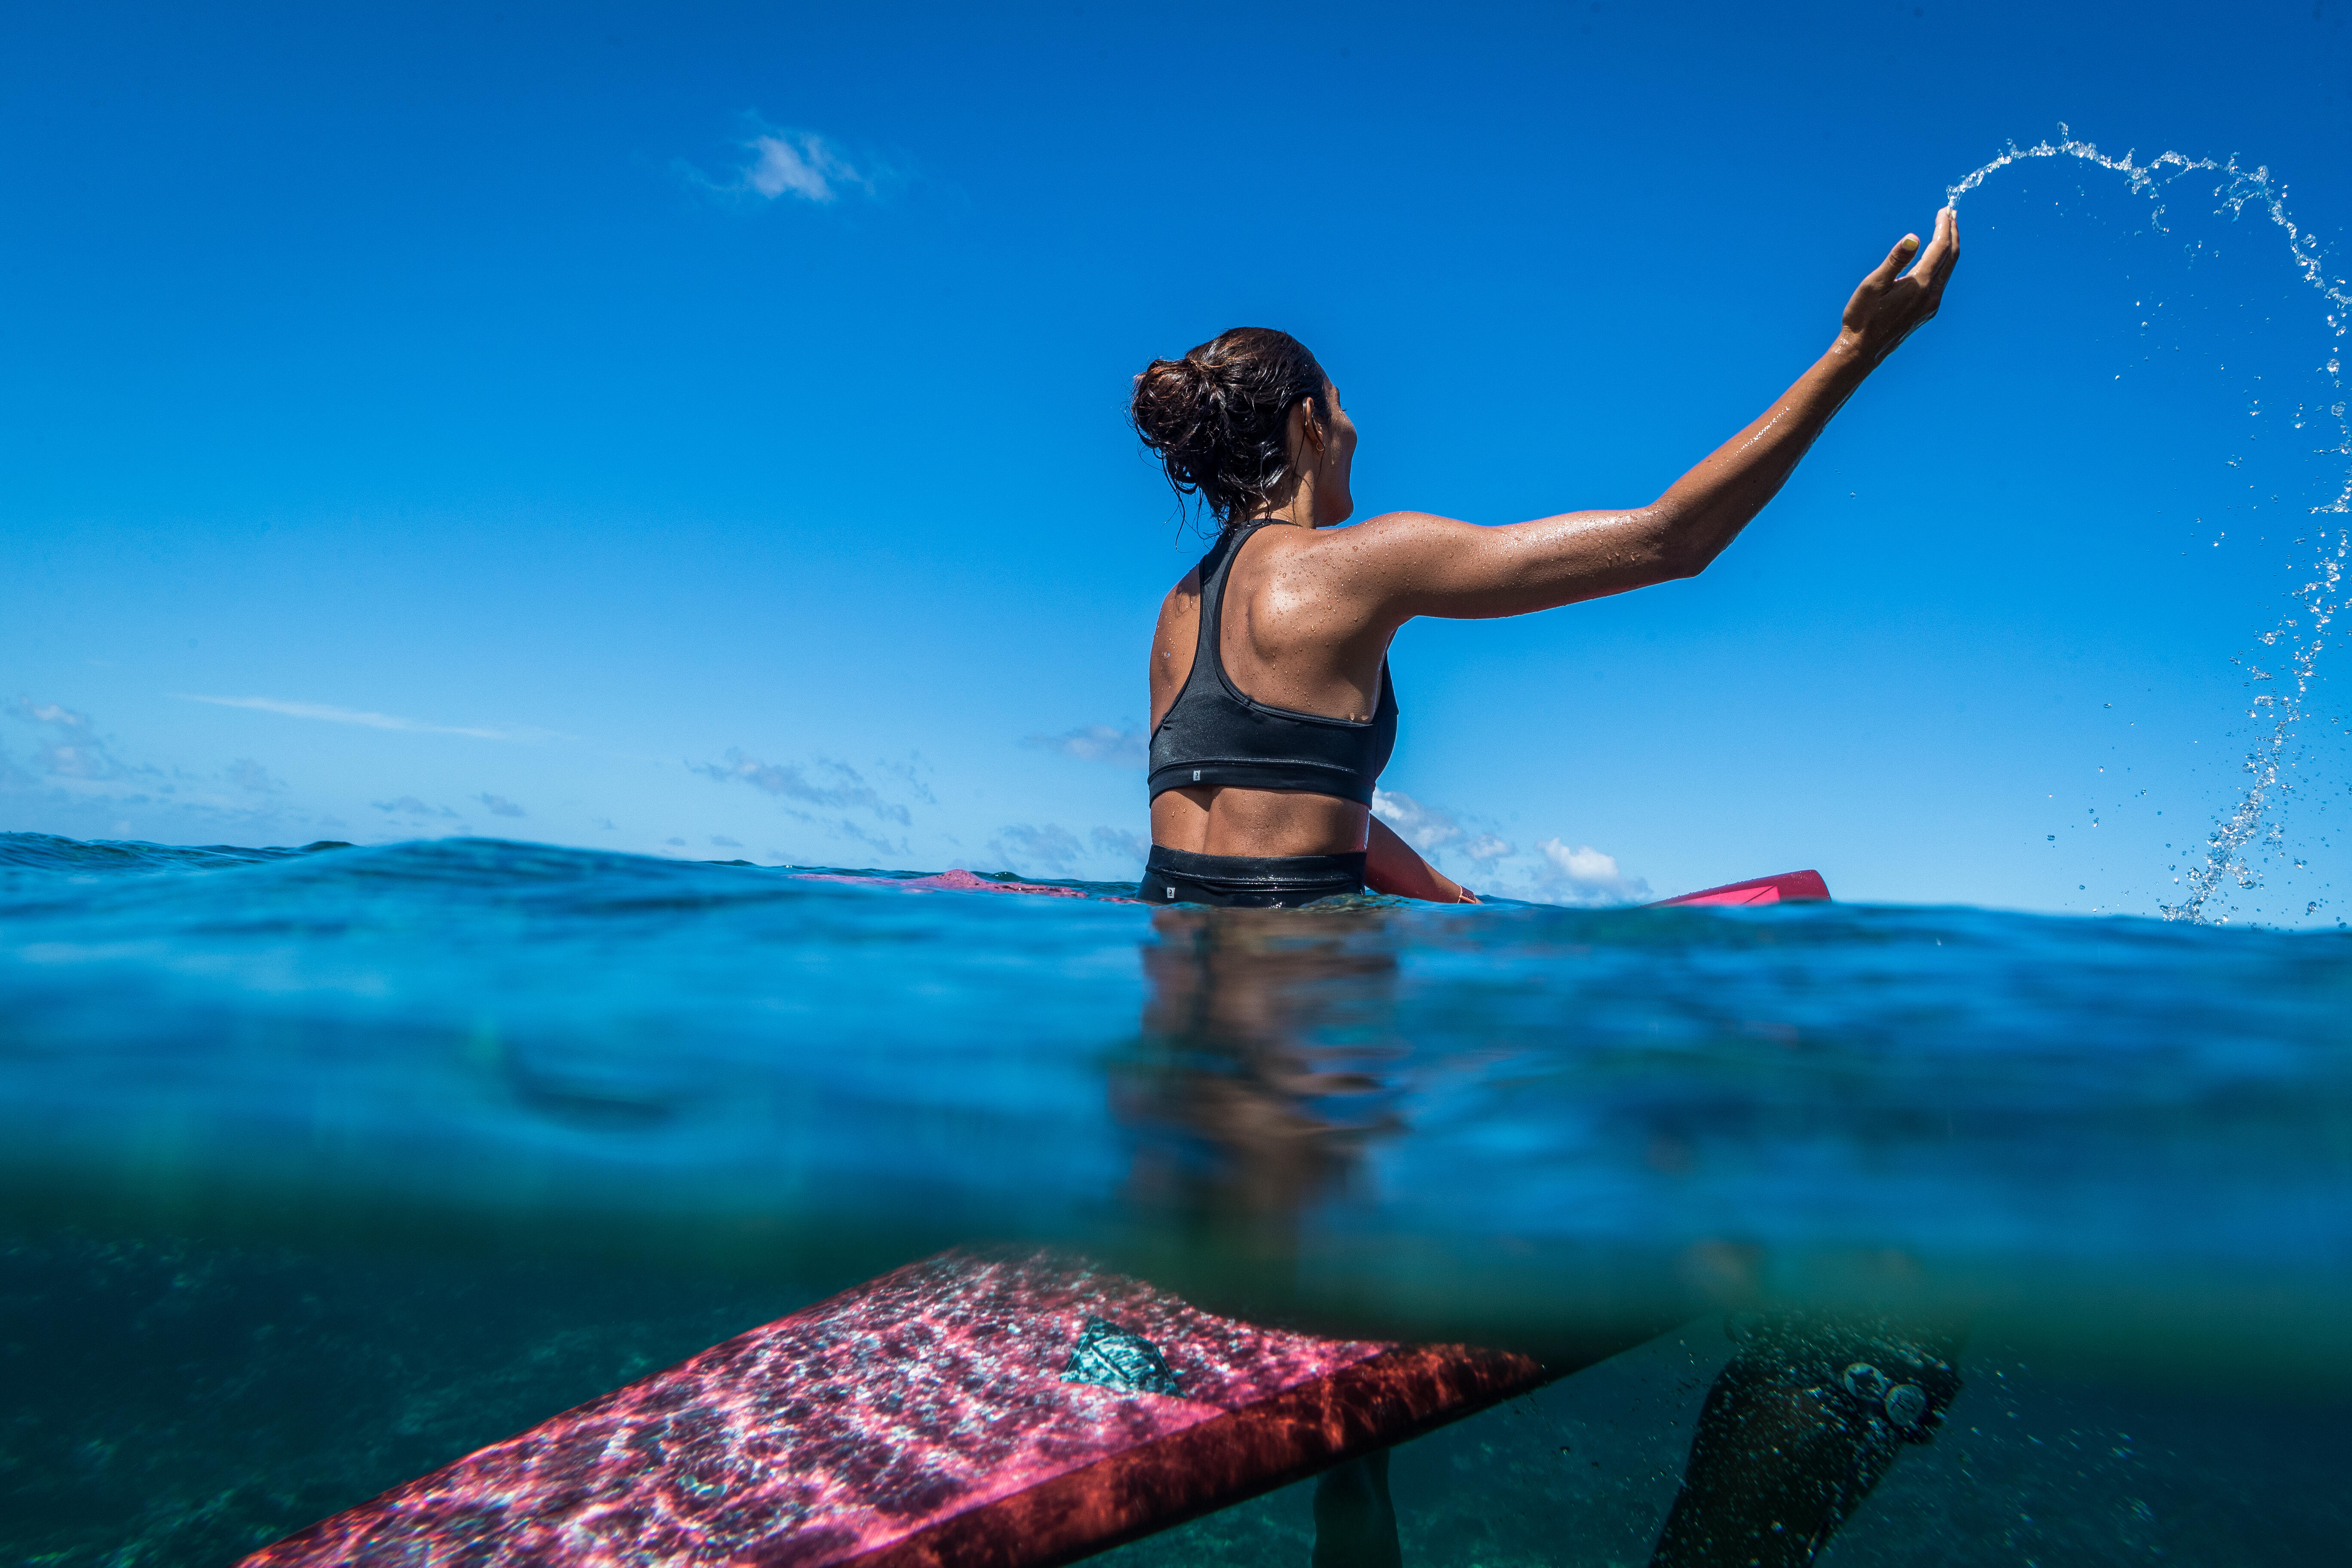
{"points": [[1888, 309]]}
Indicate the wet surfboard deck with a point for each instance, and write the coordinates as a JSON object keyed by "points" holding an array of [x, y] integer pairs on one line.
{"points": [[984, 1411]]}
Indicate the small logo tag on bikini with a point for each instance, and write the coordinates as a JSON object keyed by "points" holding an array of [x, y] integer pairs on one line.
{"points": [[1172, 892], [1111, 1357], [1196, 776]]}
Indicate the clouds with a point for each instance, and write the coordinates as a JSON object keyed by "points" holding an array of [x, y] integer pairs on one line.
{"points": [[1055, 850], [1031, 850], [1583, 875], [499, 806], [843, 828], [83, 781], [329, 713], [836, 785], [828, 784], [1096, 744], [1554, 872], [786, 164], [1435, 831], [408, 806], [801, 163], [72, 750]]}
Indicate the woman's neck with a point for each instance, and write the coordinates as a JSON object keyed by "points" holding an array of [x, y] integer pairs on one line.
{"points": [[1296, 508]]}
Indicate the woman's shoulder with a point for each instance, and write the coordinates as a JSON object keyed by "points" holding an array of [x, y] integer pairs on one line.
{"points": [[1390, 533], [1401, 522], [1184, 596]]}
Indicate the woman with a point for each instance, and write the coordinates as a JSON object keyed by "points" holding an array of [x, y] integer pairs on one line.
{"points": [[1272, 712]]}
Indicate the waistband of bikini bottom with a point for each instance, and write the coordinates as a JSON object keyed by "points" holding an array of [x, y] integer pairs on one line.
{"points": [[1263, 873]]}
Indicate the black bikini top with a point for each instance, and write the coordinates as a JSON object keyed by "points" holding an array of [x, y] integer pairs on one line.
{"points": [[1213, 735]]}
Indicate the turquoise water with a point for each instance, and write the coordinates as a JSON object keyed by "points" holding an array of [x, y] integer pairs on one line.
{"points": [[326, 1166]]}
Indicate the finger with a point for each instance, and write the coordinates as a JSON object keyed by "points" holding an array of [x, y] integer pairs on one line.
{"points": [[1946, 243], [1887, 269], [1945, 251], [1945, 236]]}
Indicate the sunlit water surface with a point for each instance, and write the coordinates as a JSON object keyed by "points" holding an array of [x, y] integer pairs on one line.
{"points": [[325, 1167]]}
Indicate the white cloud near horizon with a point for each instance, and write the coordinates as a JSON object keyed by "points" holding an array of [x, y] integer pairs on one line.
{"points": [[788, 781], [1050, 850], [409, 805], [332, 714], [78, 753], [1583, 875], [80, 770], [1026, 851]]}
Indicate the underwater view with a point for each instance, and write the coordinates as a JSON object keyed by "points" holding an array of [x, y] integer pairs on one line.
{"points": [[329, 1166]]}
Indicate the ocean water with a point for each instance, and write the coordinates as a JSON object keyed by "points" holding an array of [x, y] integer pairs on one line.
{"points": [[326, 1166]]}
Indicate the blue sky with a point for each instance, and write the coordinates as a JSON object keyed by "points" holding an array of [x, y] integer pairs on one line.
{"points": [[698, 431]]}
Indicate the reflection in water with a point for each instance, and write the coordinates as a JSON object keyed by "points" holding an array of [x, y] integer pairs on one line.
{"points": [[1269, 1061], [1266, 1063]]}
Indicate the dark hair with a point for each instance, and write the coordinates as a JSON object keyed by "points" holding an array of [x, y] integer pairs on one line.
{"points": [[1220, 417]]}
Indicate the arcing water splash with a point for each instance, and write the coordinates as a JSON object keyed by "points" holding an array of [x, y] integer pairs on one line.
{"points": [[2257, 823]]}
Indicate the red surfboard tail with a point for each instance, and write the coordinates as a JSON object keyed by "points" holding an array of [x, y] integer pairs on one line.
{"points": [[1787, 888]]}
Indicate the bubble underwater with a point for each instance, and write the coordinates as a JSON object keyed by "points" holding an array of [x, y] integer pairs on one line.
{"points": [[328, 1165]]}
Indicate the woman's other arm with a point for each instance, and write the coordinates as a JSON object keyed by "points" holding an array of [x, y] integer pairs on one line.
{"points": [[1390, 865], [1412, 564]]}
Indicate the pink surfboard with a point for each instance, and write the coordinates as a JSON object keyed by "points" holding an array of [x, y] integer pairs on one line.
{"points": [[1787, 888], [968, 1410]]}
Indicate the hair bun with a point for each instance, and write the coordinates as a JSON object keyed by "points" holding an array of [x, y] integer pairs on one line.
{"points": [[1219, 417]]}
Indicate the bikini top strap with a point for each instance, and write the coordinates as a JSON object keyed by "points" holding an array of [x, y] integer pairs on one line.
{"points": [[1214, 566]]}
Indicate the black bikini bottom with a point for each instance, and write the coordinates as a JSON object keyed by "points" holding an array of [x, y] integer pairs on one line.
{"points": [[1248, 882]]}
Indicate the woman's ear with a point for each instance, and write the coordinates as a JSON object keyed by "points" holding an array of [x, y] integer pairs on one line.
{"points": [[1304, 437]]}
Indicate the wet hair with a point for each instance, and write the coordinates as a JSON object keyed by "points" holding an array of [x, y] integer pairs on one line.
{"points": [[1219, 418]]}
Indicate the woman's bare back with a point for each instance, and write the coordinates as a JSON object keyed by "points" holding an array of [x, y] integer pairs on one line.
{"points": [[1286, 642]]}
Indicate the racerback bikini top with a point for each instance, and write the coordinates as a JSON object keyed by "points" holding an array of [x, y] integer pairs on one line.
{"points": [[1212, 734]]}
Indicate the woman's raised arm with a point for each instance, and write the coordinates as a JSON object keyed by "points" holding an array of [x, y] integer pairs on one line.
{"points": [[1412, 564]]}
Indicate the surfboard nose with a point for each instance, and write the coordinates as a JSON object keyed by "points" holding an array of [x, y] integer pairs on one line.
{"points": [[1787, 888]]}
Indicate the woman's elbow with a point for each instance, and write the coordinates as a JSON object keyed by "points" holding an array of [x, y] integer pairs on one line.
{"points": [[1680, 560]]}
